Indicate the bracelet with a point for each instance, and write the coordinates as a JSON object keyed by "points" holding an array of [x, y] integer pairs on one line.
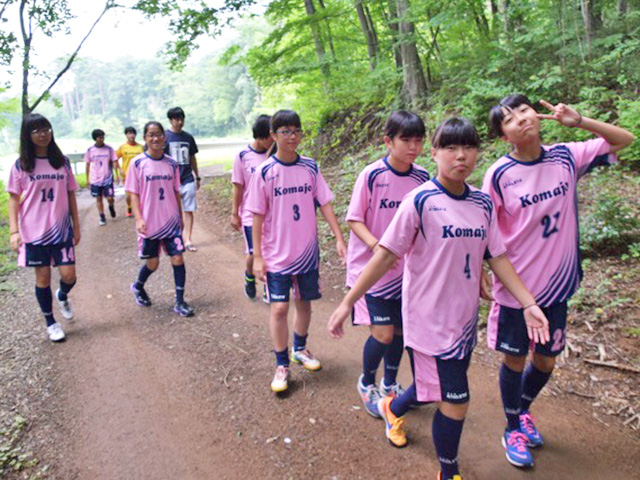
{"points": [[374, 246], [529, 306], [198, 178], [13, 233], [579, 120]]}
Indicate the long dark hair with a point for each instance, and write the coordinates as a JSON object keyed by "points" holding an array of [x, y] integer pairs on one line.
{"points": [[35, 121]]}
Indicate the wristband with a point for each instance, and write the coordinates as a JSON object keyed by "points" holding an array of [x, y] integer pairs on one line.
{"points": [[579, 120], [529, 306], [198, 178]]}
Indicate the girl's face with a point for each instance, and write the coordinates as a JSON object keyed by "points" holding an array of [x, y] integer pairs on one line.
{"points": [[288, 138], [520, 124], [404, 149], [154, 137], [455, 162], [41, 137]]}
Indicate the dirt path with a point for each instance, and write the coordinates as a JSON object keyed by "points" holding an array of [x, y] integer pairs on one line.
{"points": [[144, 394]]}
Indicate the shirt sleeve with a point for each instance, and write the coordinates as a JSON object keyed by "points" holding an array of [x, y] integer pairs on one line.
{"points": [[401, 233], [591, 154], [323, 193], [131, 182], [193, 147], [487, 187], [87, 157], [114, 157], [119, 152], [495, 245], [237, 173], [257, 198], [359, 200], [72, 185], [14, 185]]}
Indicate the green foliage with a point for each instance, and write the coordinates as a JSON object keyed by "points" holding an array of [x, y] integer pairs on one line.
{"points": [[12, 457], [7, 256]]}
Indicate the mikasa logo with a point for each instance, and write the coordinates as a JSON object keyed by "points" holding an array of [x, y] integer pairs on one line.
{"points": [[456, 396], [380, 318]]}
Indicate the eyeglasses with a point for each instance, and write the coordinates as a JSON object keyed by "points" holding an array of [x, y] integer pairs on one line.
{"points": [[40, 131], [290, 133], [155, 135]]}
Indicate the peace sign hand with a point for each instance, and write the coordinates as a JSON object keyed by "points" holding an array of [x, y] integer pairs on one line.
{"points": [[567, 116]]}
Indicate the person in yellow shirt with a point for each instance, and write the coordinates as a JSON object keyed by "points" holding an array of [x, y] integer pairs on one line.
{"points": [[126, 152]]}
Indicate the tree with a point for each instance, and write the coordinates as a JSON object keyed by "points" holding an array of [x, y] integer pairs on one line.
{"points": [[414, 87]]}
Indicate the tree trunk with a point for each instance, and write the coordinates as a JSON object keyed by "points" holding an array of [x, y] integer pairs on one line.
{"points": [[392, 21], [329, 35], [369, 33], [591, 19], [621, 8], [414, 86], [26, 40], [317, 38]]}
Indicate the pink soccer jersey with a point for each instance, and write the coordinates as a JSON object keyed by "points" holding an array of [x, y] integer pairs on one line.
{"points": [[157, 182], [536, 211], [101, 159], [44, 217], [287, 194], [377, 194], [244, 166], [445, 238]]}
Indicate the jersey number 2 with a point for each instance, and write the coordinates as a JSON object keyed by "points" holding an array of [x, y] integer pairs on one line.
{"points": [[550, 225], [162, 194]]}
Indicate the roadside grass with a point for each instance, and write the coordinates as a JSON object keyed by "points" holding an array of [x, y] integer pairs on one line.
{"points": [[7, 257]]}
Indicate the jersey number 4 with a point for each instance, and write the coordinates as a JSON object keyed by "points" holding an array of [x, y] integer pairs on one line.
{"points": [[47, 195]]}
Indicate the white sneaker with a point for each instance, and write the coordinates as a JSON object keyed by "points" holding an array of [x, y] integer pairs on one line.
{"points": [[280, 380], [306, 359], [65, 307], [55, 332], [394, 389]]}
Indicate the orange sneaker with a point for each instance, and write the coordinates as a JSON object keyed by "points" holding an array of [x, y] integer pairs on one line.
{"points": [[393, 426]]}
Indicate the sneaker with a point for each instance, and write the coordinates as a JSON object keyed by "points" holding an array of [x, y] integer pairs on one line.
{"points": [[140, 296], [515, 444], [65, 307], [393, 426], [103, 221], [455, 477], [265, 297], [280, 380], [394, 389], [370, 396], [112, 211], [250, 286], [306, 359], [183, 309], [55, 332], [129, 213], [534, 438]]}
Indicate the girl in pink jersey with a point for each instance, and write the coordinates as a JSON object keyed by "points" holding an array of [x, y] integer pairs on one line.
{"points": [[43, 216], [534, 191], [153, 181], [444, 229], [377, 194]]}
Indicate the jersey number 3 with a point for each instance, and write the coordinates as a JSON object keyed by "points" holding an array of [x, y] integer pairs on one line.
{"points": [[296, 212]]}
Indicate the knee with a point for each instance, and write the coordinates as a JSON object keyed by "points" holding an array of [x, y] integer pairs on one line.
{"points": [[177, 260], [515, 363], [544, 363], [279, 311], [383, 335], [68, 278], [153, 263]]}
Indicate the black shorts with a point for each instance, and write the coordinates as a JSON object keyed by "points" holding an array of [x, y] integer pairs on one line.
{"points": [[31, 255], [102, 190], [150, 248], [306, 286]]}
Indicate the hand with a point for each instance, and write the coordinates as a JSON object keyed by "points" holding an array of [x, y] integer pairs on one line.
{"points": [[336, 321], [342, 251], [564, 114], [141, 226], [234, 220], [197, 184], [537, 324], [15, 241], [486, 285], [76, 236], [259, 267]]}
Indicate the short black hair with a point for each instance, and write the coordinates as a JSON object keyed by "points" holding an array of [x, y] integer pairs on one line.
{"points": [[130, 130], [496, 115], [97, 133], [455, 131], [285, 118], [262, 126], [175, 112], [151, 124], [405, 124]]}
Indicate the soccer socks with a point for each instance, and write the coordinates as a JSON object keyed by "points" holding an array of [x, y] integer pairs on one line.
{"points": [[533, 381], [371, 357], [45, 300], [143, 275], [299, 342], [401, 405], [180, 277], [446, 434], [511, 390], [65, 288], [392, 358], [282, 358]]}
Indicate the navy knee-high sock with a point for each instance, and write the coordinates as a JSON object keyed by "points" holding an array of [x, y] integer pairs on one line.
{"points": [[65, 288], [45, 300], [446, 434], [299, 342], [401, 405], [533, 381], [180, 277], [371, 357], [511, 390], [392, 358], [143, 275]]}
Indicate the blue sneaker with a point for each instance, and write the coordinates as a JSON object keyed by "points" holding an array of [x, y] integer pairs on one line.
{"points": [[529, 429], [140, 296], [370, 396], [250, 286], [183, 309], [515, 444]]}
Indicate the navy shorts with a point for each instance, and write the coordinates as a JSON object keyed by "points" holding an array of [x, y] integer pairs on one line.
{"points": [[439, 380], [31, 255], [102, 191], [248, 240], [379, 311], [306, 286], [512, 337], [149, 248]]}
